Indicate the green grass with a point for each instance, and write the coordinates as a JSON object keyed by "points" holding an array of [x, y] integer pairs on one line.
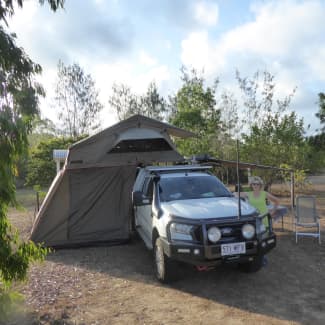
{"points": [[26, 197]]}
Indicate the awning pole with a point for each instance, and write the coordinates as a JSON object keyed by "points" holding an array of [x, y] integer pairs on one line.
{"points": [[238, 182], [293, 197], [292, 189]]}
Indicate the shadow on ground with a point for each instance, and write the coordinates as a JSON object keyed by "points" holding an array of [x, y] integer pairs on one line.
{"points": [[291, 287]]}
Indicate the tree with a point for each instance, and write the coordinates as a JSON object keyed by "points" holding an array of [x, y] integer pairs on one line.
{"points": [[317, 141], [316, 161], [125, 103], [321, 112], [7, 7], [194, 108], [258, 99], [77, 101], [152, 104], [274, 136], [19, 93], [41, 166], [279, 140]]}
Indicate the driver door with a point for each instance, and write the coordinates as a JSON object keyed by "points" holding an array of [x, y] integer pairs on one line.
{"points": [[143, 215]]}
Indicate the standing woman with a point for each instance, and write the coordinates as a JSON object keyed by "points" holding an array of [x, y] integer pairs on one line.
{"points": [[258, 197]]}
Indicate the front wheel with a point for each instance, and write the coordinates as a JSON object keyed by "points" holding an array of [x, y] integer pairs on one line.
{"points": [[253, 266], [166, 269]]}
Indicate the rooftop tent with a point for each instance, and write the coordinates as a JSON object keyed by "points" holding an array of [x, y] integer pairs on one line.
{"points": [[89, 201]]}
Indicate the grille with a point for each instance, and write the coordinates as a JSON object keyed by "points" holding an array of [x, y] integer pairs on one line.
{"points": [[230, 233]]}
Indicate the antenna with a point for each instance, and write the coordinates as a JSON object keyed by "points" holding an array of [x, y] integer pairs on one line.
{"points": [[238, 180]]}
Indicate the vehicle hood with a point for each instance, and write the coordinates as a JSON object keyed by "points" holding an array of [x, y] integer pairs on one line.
{"points": [[206, 208]]}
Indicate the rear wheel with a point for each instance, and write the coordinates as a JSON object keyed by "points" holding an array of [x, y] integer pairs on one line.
{"points": [[166, 269], [252, 266]]}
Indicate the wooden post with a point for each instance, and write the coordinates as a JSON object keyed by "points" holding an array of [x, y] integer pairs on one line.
{"points": [[37, 201], [292, 189], [293, 197], [57, 165]]}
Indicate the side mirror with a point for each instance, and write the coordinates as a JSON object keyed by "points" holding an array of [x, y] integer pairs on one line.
{"points": [[156, 178], [138, 199]]}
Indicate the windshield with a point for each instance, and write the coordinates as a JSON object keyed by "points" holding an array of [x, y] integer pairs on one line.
{"points": [[191, 187]]}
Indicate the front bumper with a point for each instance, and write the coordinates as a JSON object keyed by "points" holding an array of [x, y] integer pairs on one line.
{"points": [[210, 255]]}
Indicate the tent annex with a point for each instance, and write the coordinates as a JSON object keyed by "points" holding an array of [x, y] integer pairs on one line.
{"points": [[89, 201]]}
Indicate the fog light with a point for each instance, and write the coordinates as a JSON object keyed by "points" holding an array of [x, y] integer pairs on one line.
{"points": [[214, 234], [263, 244], [248, 231], [196, 251], [270, 241]]}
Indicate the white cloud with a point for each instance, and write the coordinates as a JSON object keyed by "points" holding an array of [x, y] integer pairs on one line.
{"points": [[316, 61], [280, 31], [285, 38], [195, 49], [115, 41], [199, 52], [206, 13], [146, 59], [158, 74]]}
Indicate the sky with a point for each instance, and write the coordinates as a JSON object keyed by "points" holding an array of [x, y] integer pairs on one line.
{"points": [[135, 42]]}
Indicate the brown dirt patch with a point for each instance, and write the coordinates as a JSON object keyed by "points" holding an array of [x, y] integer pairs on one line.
{"points": [[115, 285]]}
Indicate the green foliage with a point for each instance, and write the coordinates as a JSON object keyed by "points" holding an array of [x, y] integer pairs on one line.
{"points": [[77, 101], [258, 99], [7, 7], [18, 105], [228, 105], [9, 304], [194, 108], [125, 103], [316, 142], [321, 112], [279, 140], [19, 94], [41, 166], [273, 136], [316, 156], [15, 256], [40, 194], [300, 177]]}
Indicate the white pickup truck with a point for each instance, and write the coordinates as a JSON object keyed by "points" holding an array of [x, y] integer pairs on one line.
{"points": [[185, 214]]}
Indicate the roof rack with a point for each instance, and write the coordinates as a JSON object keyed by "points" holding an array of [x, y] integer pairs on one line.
{"points": [[172, 169]]}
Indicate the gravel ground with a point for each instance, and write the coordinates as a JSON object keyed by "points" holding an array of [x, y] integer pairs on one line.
{"points": [[115, 285]]}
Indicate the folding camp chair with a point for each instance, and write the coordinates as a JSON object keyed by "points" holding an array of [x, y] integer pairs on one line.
{"points": [[306, 217]]}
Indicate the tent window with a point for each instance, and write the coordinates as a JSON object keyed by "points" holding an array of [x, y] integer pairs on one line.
{"points": [[141, 145]]}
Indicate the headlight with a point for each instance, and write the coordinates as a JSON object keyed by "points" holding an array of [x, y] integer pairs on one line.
{"points": [[214, 234], [248, 231], [180, 231]]}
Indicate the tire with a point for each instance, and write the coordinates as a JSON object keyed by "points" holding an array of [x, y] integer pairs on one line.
{"points": [[166, 269], [253, 266]]}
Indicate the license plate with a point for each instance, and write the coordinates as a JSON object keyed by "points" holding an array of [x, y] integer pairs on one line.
{"points": [[233, 249]]}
